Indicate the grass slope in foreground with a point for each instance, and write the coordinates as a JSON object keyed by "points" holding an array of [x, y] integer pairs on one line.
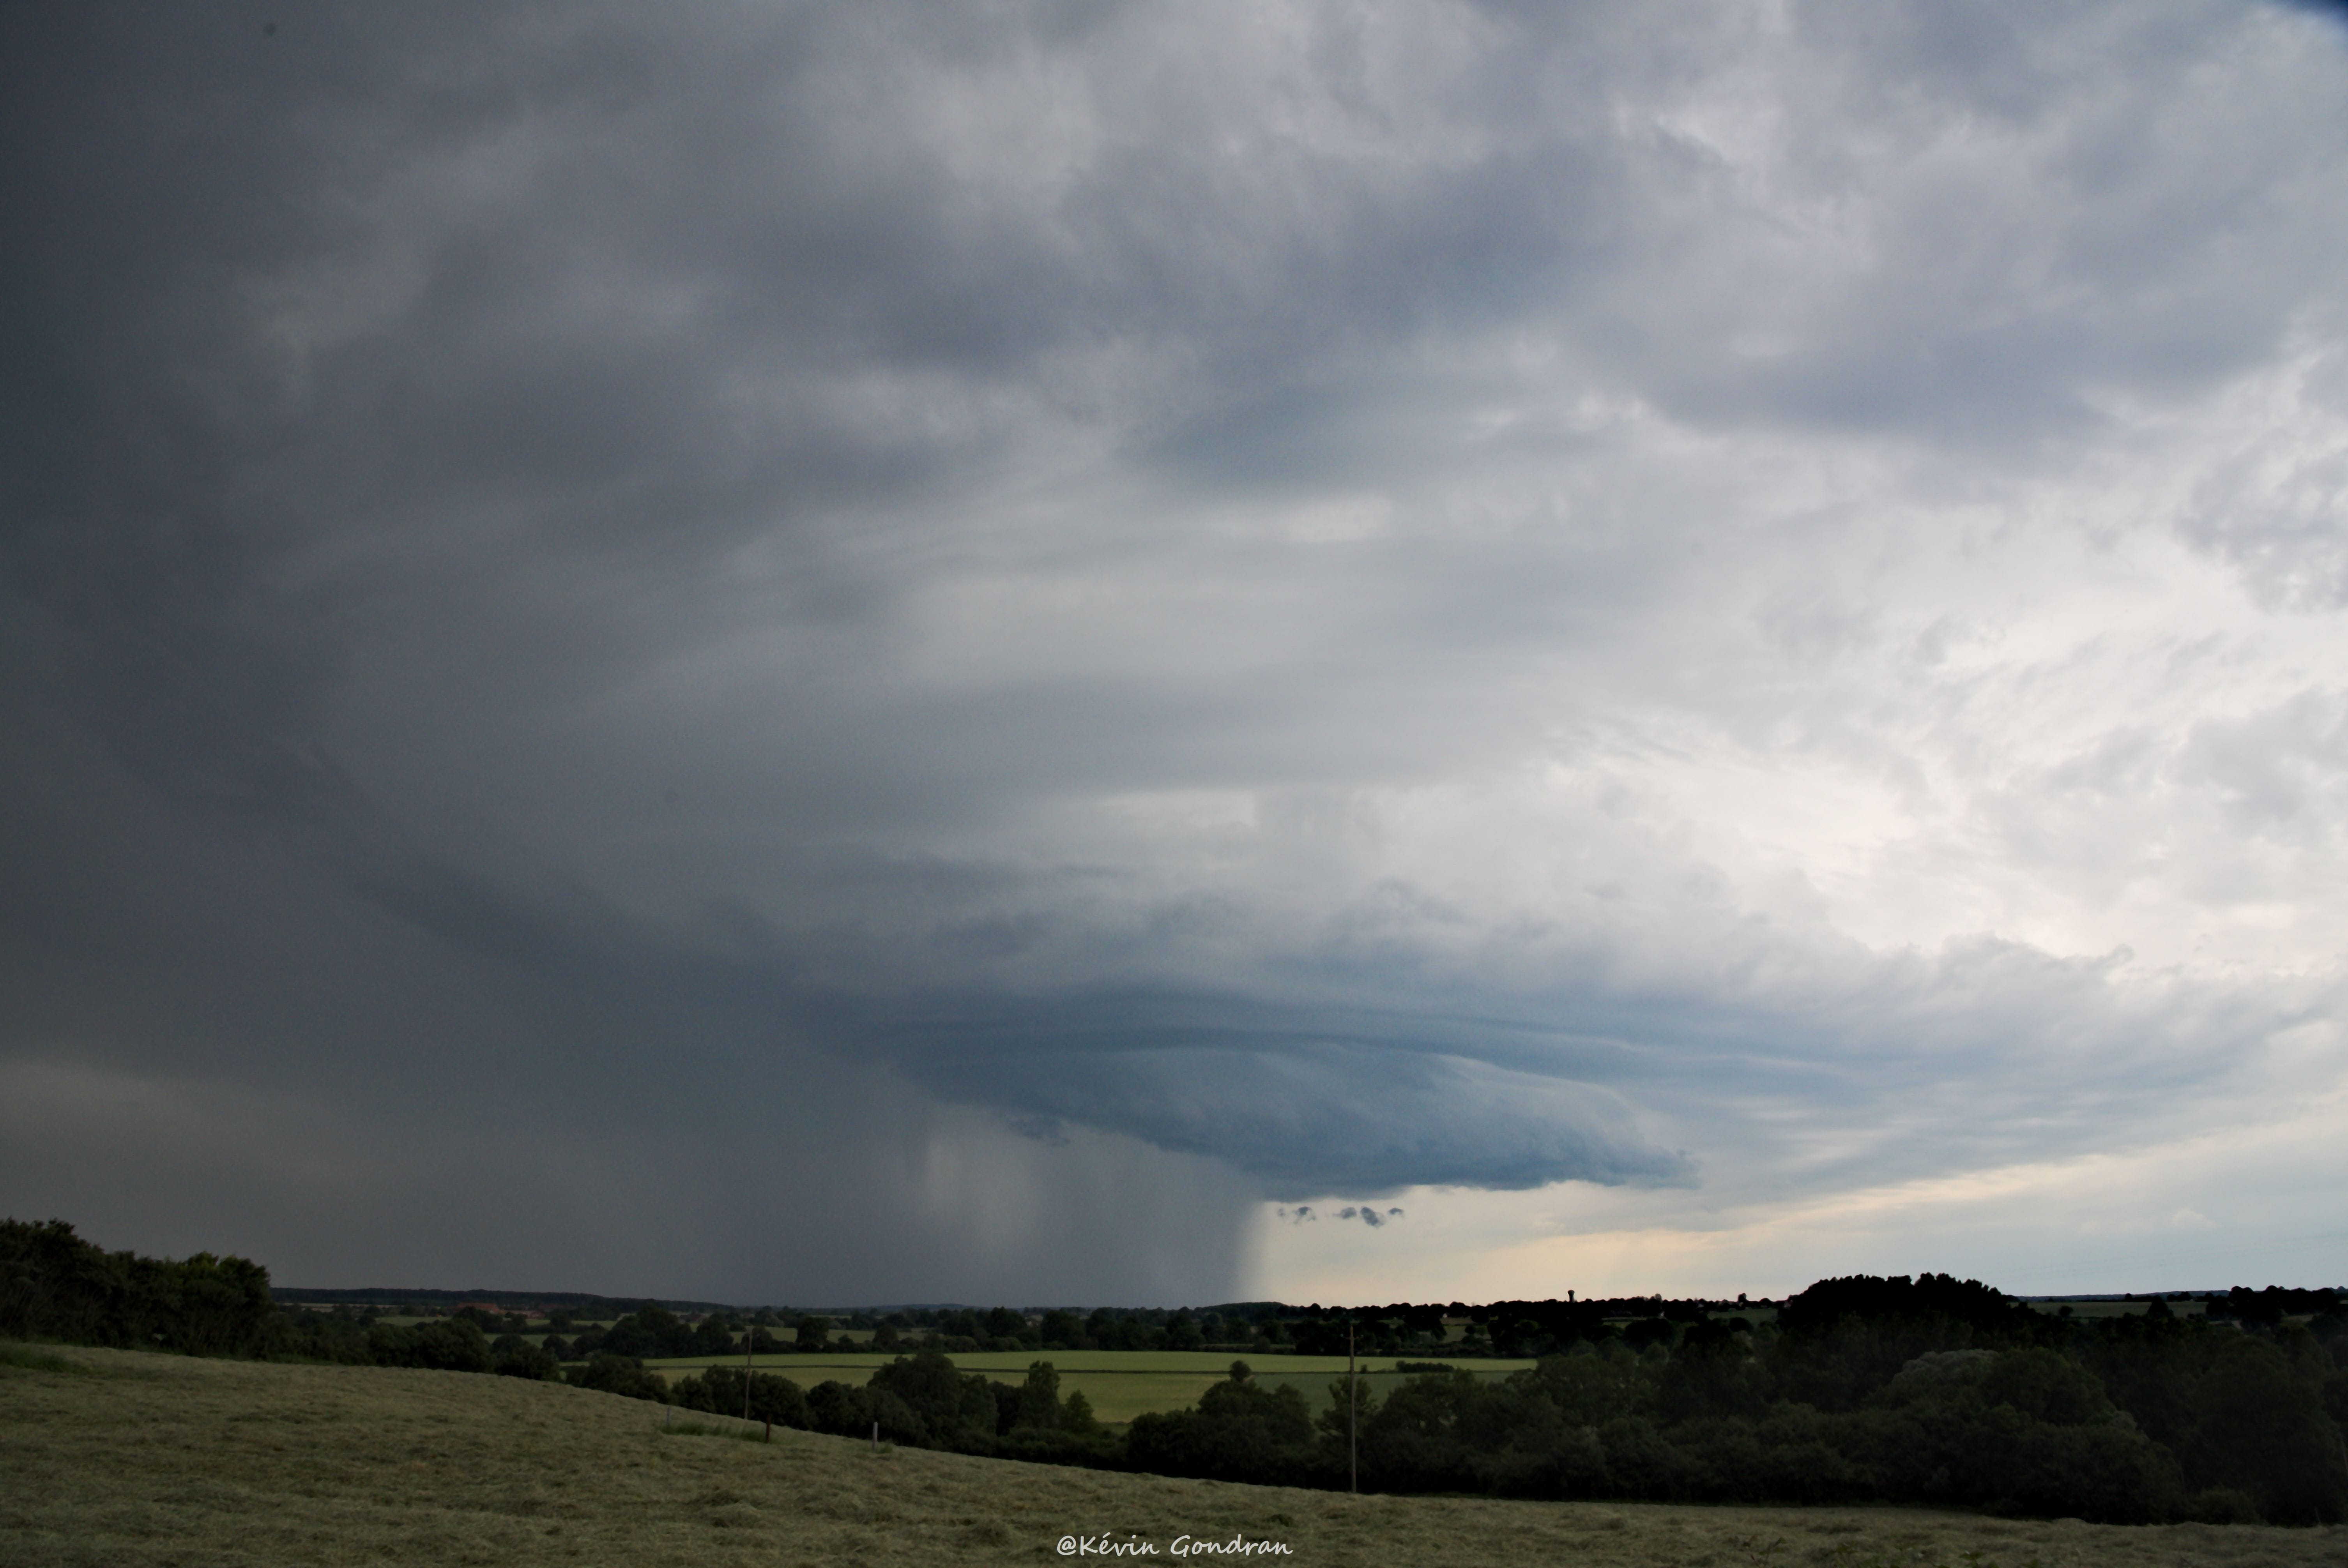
{"points": [[119, 1457]]}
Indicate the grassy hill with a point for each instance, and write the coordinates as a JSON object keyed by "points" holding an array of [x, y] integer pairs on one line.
{"points": [[117, 1458]]}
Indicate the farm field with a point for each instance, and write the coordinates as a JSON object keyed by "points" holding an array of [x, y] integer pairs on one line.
{"points": [[1121, 1384], [2081, 1309], [130, 1458]]}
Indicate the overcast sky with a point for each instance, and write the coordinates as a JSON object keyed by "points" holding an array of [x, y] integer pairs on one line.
{"points": [[1041, 652]]}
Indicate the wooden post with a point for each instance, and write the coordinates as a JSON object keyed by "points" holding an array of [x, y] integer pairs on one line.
{"points": [[1352, 1409]]}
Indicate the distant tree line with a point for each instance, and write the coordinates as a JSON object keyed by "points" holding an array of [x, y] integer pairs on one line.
{"points": [[1928, 1389], [410, 1301], [1912, 1390]]}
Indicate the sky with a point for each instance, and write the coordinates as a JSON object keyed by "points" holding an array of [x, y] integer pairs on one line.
{"points": [[1142, 654]]}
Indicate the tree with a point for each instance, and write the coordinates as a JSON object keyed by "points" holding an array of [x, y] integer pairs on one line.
{"points": [[439, 1344], [1713, 1373], [1423, 1434], [511, 1356], [2261, 1428], [661, 1331], [718, 1390], [1039, 1399], [1239, 1430], [55, 1284], [813, 1333], [844, 1410], [1592, 1389], [648, 1331], [954, 1410], [1076, 1418], [621, 1375]]}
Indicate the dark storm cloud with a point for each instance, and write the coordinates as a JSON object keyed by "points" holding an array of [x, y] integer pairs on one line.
{"points": [[827, 620]]}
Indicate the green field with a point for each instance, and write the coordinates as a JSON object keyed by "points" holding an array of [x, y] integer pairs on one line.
{"points": [[2117, 1309], [1121, 1384], [121, 1459]]}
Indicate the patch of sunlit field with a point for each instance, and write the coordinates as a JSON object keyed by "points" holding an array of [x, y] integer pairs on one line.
{"points": [[116, 1458], [1120, 1384], [2079, 1308]]}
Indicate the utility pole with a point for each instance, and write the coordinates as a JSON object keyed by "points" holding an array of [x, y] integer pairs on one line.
{"points": [[749, 1355], [1352, 1411]]}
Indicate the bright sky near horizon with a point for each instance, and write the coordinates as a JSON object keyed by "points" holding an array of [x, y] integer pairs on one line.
{"points": [[1043, 651]]}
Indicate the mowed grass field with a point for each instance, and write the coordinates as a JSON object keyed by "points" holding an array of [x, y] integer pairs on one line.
{"points": [[121, 1459], [1121, 1384]]}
